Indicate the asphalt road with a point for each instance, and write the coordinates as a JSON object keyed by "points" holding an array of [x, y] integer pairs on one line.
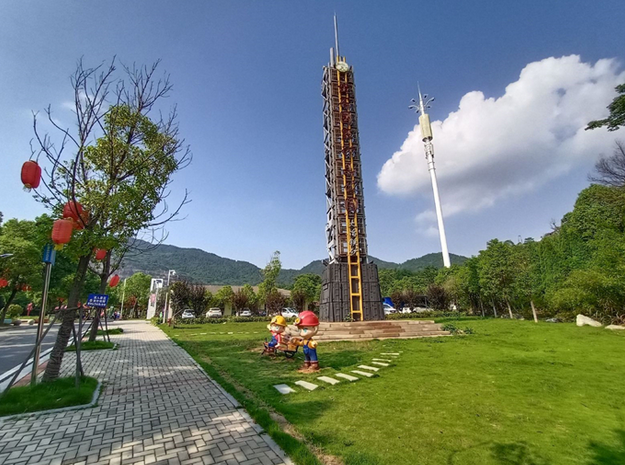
{"points": [[17, 342]]}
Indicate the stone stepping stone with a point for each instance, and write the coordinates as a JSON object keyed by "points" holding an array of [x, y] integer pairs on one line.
{"points": [[367, 367], [382, 364], [327, 379], [284, 388], [230, 332], [307, 385], [382, 360], [347, 377], [202, 334], [390, 353], [363, 373]]}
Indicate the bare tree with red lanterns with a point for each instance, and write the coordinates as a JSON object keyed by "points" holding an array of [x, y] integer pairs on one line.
{"points": [[111, 174]]}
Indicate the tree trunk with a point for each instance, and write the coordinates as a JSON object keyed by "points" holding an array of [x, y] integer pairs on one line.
{"points": [[6, 306], [509, 310], [67, 321], [494, 309], [534, 311], [482, 307]]}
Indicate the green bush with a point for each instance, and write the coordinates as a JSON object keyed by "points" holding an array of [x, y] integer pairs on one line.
{"points": [[428, 314], [453, 329], [14, 311], [229, 319]]}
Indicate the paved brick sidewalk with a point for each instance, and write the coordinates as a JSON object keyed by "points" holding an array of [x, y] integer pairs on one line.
{"points": [[157, 406]]}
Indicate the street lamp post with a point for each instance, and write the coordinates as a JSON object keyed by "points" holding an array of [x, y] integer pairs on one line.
{"points": [[121, 310], [166, 311]]}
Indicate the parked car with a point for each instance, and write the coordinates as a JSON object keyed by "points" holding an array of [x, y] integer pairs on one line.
{"points": [[288, 312], [245, 312], [406, 310], [214, 312], [388, 309], [187, 314]]}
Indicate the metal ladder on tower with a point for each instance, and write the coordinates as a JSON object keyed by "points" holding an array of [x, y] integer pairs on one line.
{"points": [[351, 211]]}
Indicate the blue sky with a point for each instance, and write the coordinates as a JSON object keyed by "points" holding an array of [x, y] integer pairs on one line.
{"points": [[246, 78]]}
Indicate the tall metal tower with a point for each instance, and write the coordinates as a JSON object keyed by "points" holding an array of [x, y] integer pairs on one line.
{"points": [[350, 284], [426, 136]]}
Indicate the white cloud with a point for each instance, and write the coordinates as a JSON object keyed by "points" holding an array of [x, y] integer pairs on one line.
{"points": [[491, 148]]}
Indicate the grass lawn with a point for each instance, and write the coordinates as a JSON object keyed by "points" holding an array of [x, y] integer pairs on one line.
{"points": [[111, 331], [91, 345], [46, 396], [515, 393]]}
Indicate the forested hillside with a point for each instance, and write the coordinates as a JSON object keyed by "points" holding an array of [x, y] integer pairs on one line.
{"points": [[207, 268], [579, 267]]}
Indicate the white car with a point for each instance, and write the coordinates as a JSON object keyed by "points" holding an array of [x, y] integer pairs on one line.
{"points": [[214, 312], [406, 310], [246, 312], [389, 309], [188, 314], [289, 313]]}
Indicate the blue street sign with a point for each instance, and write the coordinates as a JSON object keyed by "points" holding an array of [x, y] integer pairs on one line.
{"points": [[49, 254], [97, 300]]}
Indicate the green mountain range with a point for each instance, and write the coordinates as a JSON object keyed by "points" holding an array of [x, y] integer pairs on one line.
{"points": [[207, 268]]}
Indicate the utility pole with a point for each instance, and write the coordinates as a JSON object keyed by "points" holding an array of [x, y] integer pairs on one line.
{"points": [[121, 310], [426, 136], [166, 310]]}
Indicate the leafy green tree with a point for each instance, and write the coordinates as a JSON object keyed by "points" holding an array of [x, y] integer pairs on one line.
{"points": [[275, 301], [298, 297], [24, 267], [616, 119], [253, 300], [136, 292], [309, 285], [120, 168], [497, 272], [270, 276], [610, 171], [240, 300], [224, 296]]}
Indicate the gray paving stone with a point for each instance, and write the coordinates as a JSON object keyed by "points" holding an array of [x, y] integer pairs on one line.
{"points": [[329, 380], [307, 385], [382, 364], [157, 406], [347, 377], [367, 367], [284, 388], [363, 373]]}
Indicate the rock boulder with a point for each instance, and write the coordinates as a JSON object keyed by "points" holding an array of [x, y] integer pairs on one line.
{"points": [[615, 327], [584, 320]]}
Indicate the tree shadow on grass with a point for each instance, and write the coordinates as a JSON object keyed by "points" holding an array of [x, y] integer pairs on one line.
{"points": [[513, 453], [608, 454], [516, 453]]}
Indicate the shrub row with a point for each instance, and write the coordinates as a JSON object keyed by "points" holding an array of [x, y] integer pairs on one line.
{"points": [[428, 314]]}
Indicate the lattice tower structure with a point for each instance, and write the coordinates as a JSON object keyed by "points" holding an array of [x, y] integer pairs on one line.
{"points": [[345, 227]]}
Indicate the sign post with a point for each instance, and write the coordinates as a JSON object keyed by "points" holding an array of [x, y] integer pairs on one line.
{"points": [[49, 256]]}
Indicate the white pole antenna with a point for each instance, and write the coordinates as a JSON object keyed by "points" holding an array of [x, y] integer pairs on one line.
{"points": [[426, 136]]}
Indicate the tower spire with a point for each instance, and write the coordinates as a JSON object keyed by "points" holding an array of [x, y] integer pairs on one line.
{"points": [[336, 37]]}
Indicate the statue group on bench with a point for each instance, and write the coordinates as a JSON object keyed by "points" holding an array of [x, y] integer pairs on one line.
{"points": [[283, 341]]}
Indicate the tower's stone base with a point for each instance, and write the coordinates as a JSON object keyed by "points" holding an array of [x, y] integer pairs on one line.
{"points": [[335, 298]]}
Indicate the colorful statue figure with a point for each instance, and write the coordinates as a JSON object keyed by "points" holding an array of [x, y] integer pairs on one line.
{"points": [[308, 325], [277, 327]]}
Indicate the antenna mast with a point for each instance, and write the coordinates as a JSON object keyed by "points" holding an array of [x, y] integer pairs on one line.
{"points": [[426, 136]]}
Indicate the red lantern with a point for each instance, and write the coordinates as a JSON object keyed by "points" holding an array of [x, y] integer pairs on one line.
{"points": [[61, 233], [114, 281], [31, 174], [75, 212], [100, 254], [26, 287], [3, 283]]}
